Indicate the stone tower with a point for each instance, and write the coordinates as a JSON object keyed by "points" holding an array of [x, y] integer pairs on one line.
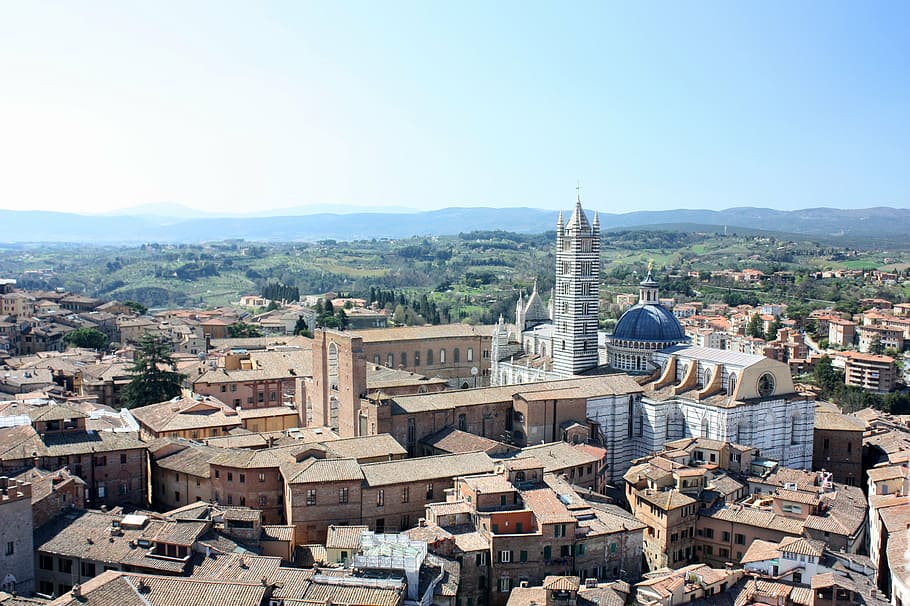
{"points": [[576, 298]]}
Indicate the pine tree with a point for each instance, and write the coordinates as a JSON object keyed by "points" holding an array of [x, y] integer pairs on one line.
{"points": [[154, 374]]}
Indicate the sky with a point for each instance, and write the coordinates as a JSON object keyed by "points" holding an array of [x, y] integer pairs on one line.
{"points": [[248, 107]]}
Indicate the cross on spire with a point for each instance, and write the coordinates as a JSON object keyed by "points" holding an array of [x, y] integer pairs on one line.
{"points": [[578, 190]]}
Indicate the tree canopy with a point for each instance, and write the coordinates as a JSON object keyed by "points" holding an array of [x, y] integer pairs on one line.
{"points": [[155, 378], [89, 338]]}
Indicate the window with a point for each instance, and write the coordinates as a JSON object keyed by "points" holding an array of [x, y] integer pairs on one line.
{"points": [[230, 477], [480, 559], [723, 552], [522, 556], [123, 458], [10, 548], [263, 500], [580, 549], [559, 530], [102, 491], [217, 474], [176, 496], [463, 422], [230, 499], [405, 522], [709, 533], [456, 355], [826, 444], [505, 585], [376, 359], [243, 501], [390, 360], [405, 494], [739, 539], [380, 498], [65, 565], [88, 569], [429, 357], [310, 496], [442, 356], [342, 495], [262, 477], [547, 552], [243, 478], [404, 359], [233, 387], [565, 551], [429, 490], [505, 556], [725, 536], [101, 461], [45, 562], [223, 388], [470, 352], [416, 358]]}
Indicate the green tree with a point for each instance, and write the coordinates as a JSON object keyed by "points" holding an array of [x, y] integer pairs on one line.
{"points": [[301, 328], [773, 330], [137, 307], [754, 328], [826, 376], [89, 338], [154, 374], [242, 330], [875, 346]]}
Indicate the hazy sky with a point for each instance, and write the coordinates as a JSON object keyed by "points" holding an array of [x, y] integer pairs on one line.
{"points": [[256, 105]]}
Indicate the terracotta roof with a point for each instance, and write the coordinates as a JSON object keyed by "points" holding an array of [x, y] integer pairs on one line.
{"points": [[182, 414], [277, 533], [85, 534], [560, 583], [450, 439], [557, 456], [344, 537], [426, 468], [578, 387], [366, 447], [322, 470]]}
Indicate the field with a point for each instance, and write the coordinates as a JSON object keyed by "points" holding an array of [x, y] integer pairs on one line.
{"points": [[471, 277]]}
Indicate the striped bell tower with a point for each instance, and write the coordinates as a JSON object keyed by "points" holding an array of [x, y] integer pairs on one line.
{"points": [[577, 287]]}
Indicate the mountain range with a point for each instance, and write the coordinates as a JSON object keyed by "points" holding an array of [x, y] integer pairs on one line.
{"points": [[882, 225]]}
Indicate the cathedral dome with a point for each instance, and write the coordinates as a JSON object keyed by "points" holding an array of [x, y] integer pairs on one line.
{"points": [[648, 322]]}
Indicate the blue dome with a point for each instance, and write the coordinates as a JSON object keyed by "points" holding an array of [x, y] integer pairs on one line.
{"points": [[648, 322]]}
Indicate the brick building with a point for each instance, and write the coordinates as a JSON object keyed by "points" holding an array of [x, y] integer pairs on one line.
{"points": [[838, 445], [17, 563], [112, 464]]}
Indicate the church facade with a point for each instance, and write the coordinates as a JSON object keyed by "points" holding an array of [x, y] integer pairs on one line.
{"points": [[687, 391]]}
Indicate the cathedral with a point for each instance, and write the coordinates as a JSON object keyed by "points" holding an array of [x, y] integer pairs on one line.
{"points": [[686, 391], [562, 339]]}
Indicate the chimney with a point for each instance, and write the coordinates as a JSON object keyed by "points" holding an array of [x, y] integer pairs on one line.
{"points": [[77, 591]]}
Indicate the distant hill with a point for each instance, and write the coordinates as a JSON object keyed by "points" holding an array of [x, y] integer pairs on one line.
{"points": [[884, 226]]}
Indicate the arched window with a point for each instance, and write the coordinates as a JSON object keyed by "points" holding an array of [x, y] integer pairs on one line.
{"points": [[390, 360], [794, 424], [333, 365], [706, 377], [442, 356], [429, 357], [731, 384]]}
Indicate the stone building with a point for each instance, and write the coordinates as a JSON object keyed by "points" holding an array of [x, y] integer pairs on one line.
{"points": [[575, 317], [520, 525], [112, 464], [17, 556], [838, 445]]}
